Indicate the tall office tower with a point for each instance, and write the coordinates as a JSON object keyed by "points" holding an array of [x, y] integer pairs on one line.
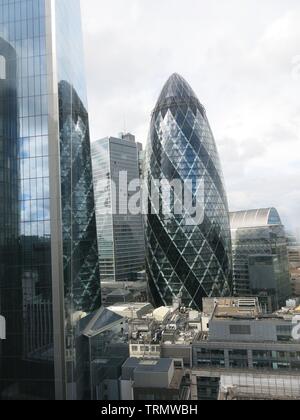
{"points": [[8, 172], [120, 233], [49, 276], [294, 262], [193, 261], [141, 155], [260, 256], [9, 220], [293, 251]]}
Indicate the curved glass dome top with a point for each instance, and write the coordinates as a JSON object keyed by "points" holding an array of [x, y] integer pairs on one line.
{"points": [[177, 91], [255, 218], [190, 261], [176, 87]]}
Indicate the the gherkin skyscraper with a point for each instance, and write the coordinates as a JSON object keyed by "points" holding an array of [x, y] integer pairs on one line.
{"points": [[191, 261]]}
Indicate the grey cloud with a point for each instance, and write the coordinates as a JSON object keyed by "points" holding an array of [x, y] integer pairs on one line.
{"points": [[238, 57]]}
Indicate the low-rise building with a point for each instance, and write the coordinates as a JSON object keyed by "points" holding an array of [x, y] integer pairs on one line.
{"points": [[167, 332], [132, 311], [242, 339], [241, 384], [104, 346], [154, 380], [233, 341]]}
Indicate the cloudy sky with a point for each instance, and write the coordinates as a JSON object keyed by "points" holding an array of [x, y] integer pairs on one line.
{"points": [[242, 58]]}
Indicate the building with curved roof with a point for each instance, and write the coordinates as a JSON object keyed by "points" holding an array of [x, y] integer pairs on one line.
{"points": [[190, 261], [255, 218], [260, 255]]}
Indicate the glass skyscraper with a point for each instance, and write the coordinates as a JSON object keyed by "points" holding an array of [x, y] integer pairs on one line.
{"points": [[49, 270], [120, 233], [260, 255], [183, 260]]}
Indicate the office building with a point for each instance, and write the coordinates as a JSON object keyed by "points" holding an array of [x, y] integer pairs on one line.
{"points": [[240, 336], [260, 256], [104, 345], [246, 351], [294, 263], [122, 292], [141, 157], [242, 385], [295, 281], [165, 381], [9, 192], [192, 260], [293, 251], [120, 233], [49, 271], [232, 350]]}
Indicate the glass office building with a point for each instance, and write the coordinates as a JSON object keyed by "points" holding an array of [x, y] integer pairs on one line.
{"points": [[191, 261], [260, 255], [105, 344], [49, 270], [120, 233]]}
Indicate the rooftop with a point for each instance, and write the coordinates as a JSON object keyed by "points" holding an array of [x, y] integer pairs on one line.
{"points": [[232, 307], [132, 310], [155, 366], [146, 366], [176, 87], [255, 218], [246, 309], [98, 321], [165, 325], [177, 91]]}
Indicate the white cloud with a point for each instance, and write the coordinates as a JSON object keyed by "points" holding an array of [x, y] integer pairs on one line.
{"points": [[241, 60]]}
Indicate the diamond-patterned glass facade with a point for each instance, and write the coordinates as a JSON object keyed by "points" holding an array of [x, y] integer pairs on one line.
{"points": [[191, 261]]}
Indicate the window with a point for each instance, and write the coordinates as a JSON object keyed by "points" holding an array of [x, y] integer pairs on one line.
{"points": [[284, 329], [239, 353], [178, 364], [262, 354], [240, 330], [284, 332], [2, 68], [217, 353], [238, 364]]}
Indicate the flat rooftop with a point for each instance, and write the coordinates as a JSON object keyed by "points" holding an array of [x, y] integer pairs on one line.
{"points": [[232, 309], [245, 309], [146, 366], [130, 306]]}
